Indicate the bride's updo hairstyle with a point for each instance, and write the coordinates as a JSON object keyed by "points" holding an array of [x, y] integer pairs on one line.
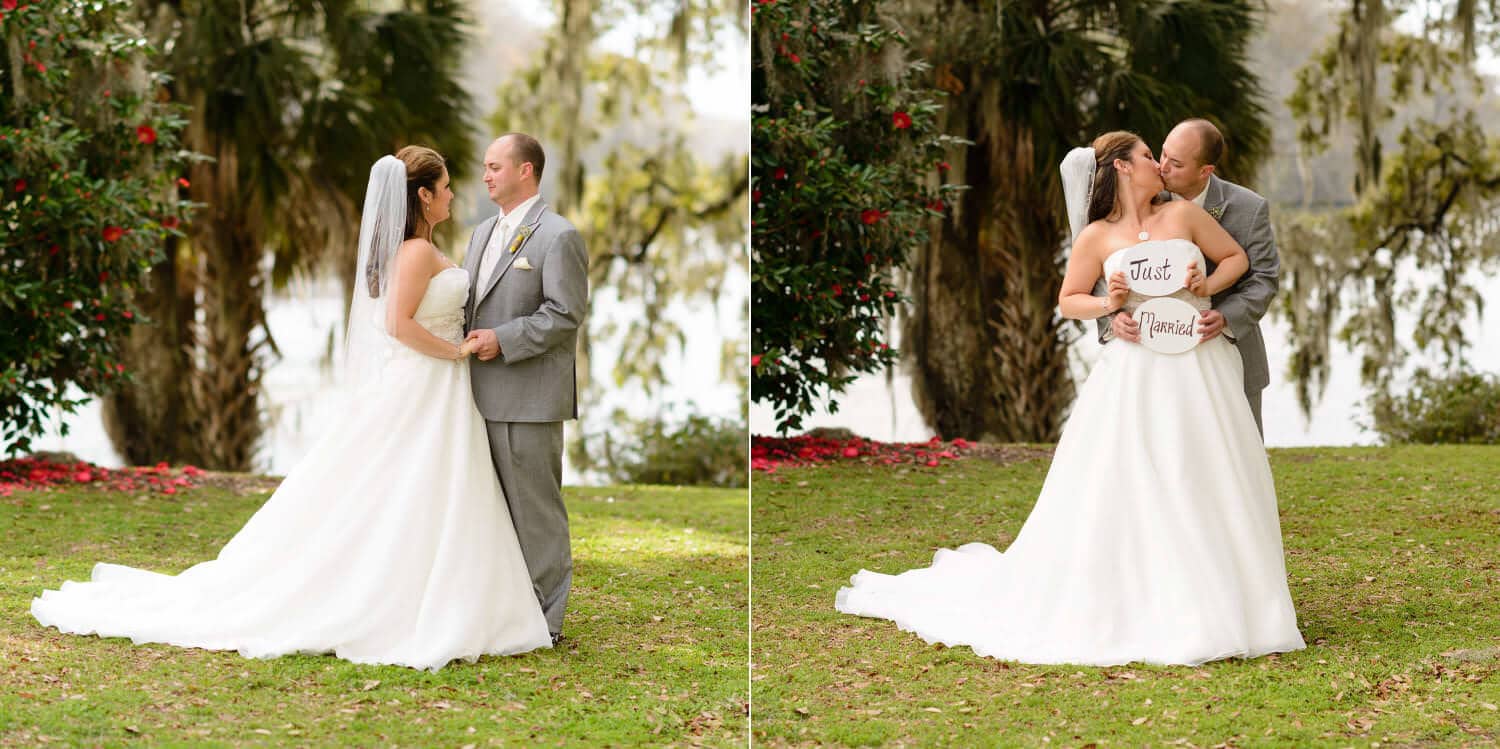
{"points": [[424, 167], [1113, 145]]}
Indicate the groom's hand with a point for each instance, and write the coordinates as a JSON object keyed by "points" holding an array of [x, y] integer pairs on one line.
{"points": [[488, 347], [1125, 327], [1210, 324]]}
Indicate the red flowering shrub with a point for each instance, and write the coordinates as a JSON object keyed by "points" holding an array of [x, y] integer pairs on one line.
{"points": [[844, 155], [89, 154], [35, 474], [769, 453]]}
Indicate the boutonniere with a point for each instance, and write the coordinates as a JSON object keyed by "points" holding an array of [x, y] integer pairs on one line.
{"points": [[523, 264], [1217, 212], [521, 235]]}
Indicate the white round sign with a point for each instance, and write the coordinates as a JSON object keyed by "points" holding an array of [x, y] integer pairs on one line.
{"points": [[1157, 268], [1168, 325]]}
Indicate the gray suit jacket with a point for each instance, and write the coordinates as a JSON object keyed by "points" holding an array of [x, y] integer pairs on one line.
{"points": [[535, 314], [1247, 218]]}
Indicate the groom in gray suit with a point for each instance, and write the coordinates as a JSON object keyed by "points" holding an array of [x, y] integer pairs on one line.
{"points": [[528, 288], [1188, 157]]}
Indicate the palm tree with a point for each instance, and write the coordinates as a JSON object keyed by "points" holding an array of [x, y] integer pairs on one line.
{"points": [[290, 104], [1029, 79]]}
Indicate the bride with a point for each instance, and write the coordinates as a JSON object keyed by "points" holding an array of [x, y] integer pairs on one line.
{"points": [[390, 541], [1155, 537]]}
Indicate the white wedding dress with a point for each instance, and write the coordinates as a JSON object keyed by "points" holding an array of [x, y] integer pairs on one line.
{"points": [[390, 541], [1155, 537]]}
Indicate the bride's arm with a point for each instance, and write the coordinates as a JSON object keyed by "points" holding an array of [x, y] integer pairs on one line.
{"points": [[414, 266], [1076, 300], [1229, 258]]}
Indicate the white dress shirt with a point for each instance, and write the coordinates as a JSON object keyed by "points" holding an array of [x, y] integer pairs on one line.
{"points": [[500, 239]]}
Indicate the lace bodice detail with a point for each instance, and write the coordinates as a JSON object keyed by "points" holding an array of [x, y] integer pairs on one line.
{"points": [[1136, 299], [441, 311]]}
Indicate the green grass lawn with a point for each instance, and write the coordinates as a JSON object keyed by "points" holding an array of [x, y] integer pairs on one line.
{"points": [[1394, 563], [655, 655]]}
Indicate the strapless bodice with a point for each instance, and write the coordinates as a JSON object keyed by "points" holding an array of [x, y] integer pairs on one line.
{"points": [[1117, 258], [441, 310]]}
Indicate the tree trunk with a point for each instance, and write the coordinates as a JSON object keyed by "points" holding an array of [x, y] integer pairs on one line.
{"points": [[149, 420], [988, 354]]}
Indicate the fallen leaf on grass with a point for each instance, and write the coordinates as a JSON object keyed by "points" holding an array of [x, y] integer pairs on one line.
{"points": [[1139, 721], [371, 684]]}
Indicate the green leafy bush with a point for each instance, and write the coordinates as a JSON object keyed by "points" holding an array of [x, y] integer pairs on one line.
{"points": [[694, 451], [89, 165], [1461, 408]]}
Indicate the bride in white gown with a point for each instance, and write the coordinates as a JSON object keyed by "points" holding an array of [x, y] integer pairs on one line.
{"points": [[1155, 537], [390, 541]]}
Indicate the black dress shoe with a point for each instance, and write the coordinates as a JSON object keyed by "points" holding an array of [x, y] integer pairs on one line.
{"points": [[557, 637]]}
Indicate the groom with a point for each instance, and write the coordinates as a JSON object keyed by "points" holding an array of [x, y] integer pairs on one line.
{"points": [[1188, 157], [528, 288]]}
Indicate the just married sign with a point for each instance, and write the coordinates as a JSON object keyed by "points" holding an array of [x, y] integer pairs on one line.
{"points": [[1168, 325], [1158, 269]]}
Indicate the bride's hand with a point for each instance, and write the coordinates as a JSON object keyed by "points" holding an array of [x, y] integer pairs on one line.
{"points": [[1195, 282], [466, 349], [1119, 290]]}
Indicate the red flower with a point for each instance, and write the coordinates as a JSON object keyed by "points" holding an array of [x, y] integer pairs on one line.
{"points": [[83, 477], [20, 185], [182, 182], [755, 360], [871, 216], [936, 205], [145, 134], [171, 222], [780, 173], [68, 305], [8, 4], [99, 317], [113, 233], [103, 278], [795, 59], [121, 367], [851, 452], [128, 314], [169, 490], [943, 166], [890, 295], [837, 290], [41, 67], [901, 120], [755, 196]]}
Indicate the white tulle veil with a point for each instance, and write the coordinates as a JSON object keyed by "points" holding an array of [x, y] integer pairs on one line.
{"points": [[1078, 187], [382, 228]]}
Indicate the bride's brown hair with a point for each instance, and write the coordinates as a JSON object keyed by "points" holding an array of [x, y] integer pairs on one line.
{"points": [[424, 167], [1116, 144]]}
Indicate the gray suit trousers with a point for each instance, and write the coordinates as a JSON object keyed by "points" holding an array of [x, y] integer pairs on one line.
{"points": [[528, 457]]}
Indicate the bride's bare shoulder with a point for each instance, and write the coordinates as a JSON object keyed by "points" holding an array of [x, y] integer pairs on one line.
{"points": [[1090, 241]]}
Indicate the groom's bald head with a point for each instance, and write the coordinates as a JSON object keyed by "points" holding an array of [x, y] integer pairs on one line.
{"points": [[1189, 154], [1210, 140]]}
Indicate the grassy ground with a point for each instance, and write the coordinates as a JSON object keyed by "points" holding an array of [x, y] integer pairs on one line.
{"points": [[655, 654], [1394, 562]]}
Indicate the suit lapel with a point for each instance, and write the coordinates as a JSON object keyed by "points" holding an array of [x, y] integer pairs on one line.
{"points": [[473, 256], [1213, 202], [528, 226]]}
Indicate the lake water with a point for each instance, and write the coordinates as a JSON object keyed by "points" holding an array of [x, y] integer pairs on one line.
{"points": [[876, 410], [297, 388]]}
